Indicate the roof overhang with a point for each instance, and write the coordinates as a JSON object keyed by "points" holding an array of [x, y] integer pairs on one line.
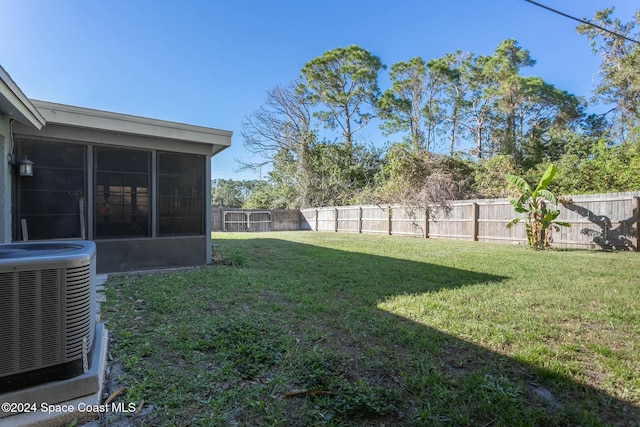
{"points": [[71, 117], [15, 105]]}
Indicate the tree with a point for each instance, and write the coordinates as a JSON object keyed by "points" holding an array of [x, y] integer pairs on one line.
{"points": [[342, 172], [410, 104], [619, 82], [540, 219], [230, 193], [345, 82], [505, 65], [607, 168], [282, 127], [490, 175], [456, 82], [485, 101], [280, 190], [465, 99], [525, 109], [478, 103], [270, 195], [281, 123], [544, 112]]}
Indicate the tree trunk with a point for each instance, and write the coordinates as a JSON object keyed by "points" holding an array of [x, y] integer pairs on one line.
{"points": [[479, 141], [454, 123], [347, 127]]}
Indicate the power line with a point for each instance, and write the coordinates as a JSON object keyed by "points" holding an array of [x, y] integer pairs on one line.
{"points": [[582, 21]]}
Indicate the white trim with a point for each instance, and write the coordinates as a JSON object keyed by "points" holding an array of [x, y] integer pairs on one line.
{"points": [[16, 105], [67, 115]]}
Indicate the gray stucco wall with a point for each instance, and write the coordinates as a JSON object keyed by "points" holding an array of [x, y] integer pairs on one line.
{"points": [[120, 255]]}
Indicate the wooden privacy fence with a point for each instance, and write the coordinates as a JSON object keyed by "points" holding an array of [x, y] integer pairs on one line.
{"points": [[601, 221], [235, 220]]}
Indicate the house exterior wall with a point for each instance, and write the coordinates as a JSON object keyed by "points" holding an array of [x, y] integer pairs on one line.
{"points": [[5, 180], [142, 254]]}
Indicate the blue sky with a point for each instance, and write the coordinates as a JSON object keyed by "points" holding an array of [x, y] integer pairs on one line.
{"points": [[210, 63]]}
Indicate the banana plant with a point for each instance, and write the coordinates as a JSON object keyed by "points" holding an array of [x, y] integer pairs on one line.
{"points": [[540, 219]]}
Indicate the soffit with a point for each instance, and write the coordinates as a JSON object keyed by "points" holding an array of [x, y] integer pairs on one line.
{"points": [[15, 105], [65, 121]]}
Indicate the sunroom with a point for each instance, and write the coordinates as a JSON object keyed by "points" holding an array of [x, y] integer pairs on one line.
{"points": [[138, 187]]}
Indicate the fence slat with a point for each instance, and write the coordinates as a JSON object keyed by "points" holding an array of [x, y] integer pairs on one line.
{"points": [[636, 200]]}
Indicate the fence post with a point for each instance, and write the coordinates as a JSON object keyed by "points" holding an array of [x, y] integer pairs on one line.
{"points": [[426, 223], [336, 219], [475, 221], [389, 226], [637, 212], [360, 219], [316, 219]]}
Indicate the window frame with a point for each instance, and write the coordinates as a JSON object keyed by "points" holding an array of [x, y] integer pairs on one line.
{"points": [[201, 196], [20, 191], [97, 194]]}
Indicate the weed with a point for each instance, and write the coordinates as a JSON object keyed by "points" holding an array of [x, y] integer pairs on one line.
{"points": [[248, 344], [235, 258]]}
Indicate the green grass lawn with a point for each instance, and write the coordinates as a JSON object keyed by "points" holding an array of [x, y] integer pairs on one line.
{"points": [[347, 329]]}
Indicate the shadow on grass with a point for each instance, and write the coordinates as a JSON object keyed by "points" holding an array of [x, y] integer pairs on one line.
{"points": [[342, 290], [306, 318]]}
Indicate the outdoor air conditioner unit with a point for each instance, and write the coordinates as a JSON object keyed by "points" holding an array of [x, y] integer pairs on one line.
{"points": [[47, 311]]}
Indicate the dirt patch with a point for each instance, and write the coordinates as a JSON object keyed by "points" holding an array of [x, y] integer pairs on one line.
{"points": [[113, 392], [545, 396]]}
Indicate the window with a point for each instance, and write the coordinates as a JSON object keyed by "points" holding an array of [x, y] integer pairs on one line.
{"points": [[180, 194], [122, 193], [52, 200]]}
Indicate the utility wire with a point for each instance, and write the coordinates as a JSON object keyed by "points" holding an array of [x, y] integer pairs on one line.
{"points": [[582, 21]]}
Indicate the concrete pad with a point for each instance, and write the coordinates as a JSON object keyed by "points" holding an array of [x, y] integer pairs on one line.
{"points": [[100, 280]]}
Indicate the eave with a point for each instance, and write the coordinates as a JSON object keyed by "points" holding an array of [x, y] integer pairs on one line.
{"points": [[15, 104], [86, 118]]}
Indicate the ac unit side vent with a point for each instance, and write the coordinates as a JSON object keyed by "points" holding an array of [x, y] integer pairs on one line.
{"points": [[29, 318], [78, 310], [76, 277], [33, 324], [8, 312], [31, 329], [8, 337]]}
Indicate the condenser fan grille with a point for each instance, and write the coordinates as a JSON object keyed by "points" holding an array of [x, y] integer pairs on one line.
{"points": [[29, 250]]}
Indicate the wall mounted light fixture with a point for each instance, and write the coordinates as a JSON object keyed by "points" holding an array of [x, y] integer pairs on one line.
{"points": [[24, 166]]}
